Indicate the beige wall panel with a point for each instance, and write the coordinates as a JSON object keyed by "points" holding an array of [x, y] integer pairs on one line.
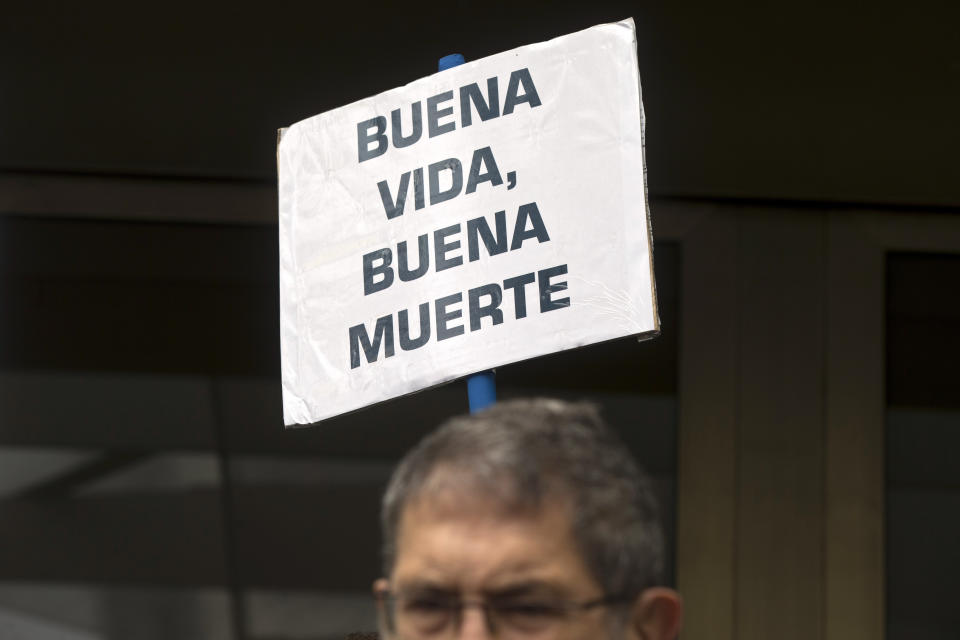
{"points": [[779, 557], [854, 580], [707, 422], [888, 231]]}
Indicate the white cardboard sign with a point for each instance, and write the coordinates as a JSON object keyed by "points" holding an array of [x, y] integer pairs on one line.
{"points": [[483, 215]]}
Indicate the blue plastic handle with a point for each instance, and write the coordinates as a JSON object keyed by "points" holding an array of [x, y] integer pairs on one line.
{"points": [[481, 387]]}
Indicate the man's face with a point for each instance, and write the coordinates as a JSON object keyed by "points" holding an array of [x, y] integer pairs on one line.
{"points": [[450, 548]]}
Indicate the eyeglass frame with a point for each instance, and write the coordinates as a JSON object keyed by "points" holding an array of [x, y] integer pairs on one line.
{"points": [[386, 599]]}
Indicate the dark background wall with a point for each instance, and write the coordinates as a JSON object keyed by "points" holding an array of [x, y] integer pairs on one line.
{"points": [[827, 101]]}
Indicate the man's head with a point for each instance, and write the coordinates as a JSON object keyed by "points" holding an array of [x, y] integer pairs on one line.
{"points": [[530, 517]]}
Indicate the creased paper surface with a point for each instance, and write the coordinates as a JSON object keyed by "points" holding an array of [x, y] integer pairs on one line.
{"points": [[487, 214]]}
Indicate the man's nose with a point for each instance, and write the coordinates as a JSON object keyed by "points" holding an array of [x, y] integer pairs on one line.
{"points": [[473, 624]]}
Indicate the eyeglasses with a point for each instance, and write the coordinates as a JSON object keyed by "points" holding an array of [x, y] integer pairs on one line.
{"points": [[438, 616]]}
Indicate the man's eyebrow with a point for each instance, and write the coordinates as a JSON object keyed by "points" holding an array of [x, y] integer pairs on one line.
{"points": [[526, 588], [420, 585]]}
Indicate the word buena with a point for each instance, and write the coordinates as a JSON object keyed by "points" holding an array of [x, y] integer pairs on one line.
{"points": [[378, 273], [372, 138], [483, 301]]}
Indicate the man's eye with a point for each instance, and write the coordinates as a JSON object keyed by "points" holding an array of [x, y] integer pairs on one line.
{"points": [[426, 605], [423, 617], [530, 610]]}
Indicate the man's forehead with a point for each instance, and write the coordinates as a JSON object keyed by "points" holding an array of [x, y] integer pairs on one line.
{"points": [[477, 543], [468, 476], [451, 505], [453, 495]]}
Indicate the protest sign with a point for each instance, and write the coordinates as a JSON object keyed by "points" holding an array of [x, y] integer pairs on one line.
{"points": [[487, 214]]}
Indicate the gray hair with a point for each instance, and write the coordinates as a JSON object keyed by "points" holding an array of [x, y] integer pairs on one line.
{"points": [[522, 452]]}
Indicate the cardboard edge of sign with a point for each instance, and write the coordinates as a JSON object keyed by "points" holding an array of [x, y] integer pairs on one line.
{"points": [[640, 337], [646, 188]]}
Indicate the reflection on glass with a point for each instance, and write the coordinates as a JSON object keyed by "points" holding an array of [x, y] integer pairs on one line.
{"points": [[147, 488], [922, 441]]}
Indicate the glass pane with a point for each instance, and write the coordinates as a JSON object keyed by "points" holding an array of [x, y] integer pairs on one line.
{"points": [[148, 488], [111, 507], [307, 501], [923, 436]]}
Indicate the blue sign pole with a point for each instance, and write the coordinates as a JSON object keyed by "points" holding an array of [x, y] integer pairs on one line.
{"points": [[450, 61], [481, 390], [481, 387]]}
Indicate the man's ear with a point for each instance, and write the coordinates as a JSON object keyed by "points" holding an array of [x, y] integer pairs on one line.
{"points": [[379, 587], [657, 615]]}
